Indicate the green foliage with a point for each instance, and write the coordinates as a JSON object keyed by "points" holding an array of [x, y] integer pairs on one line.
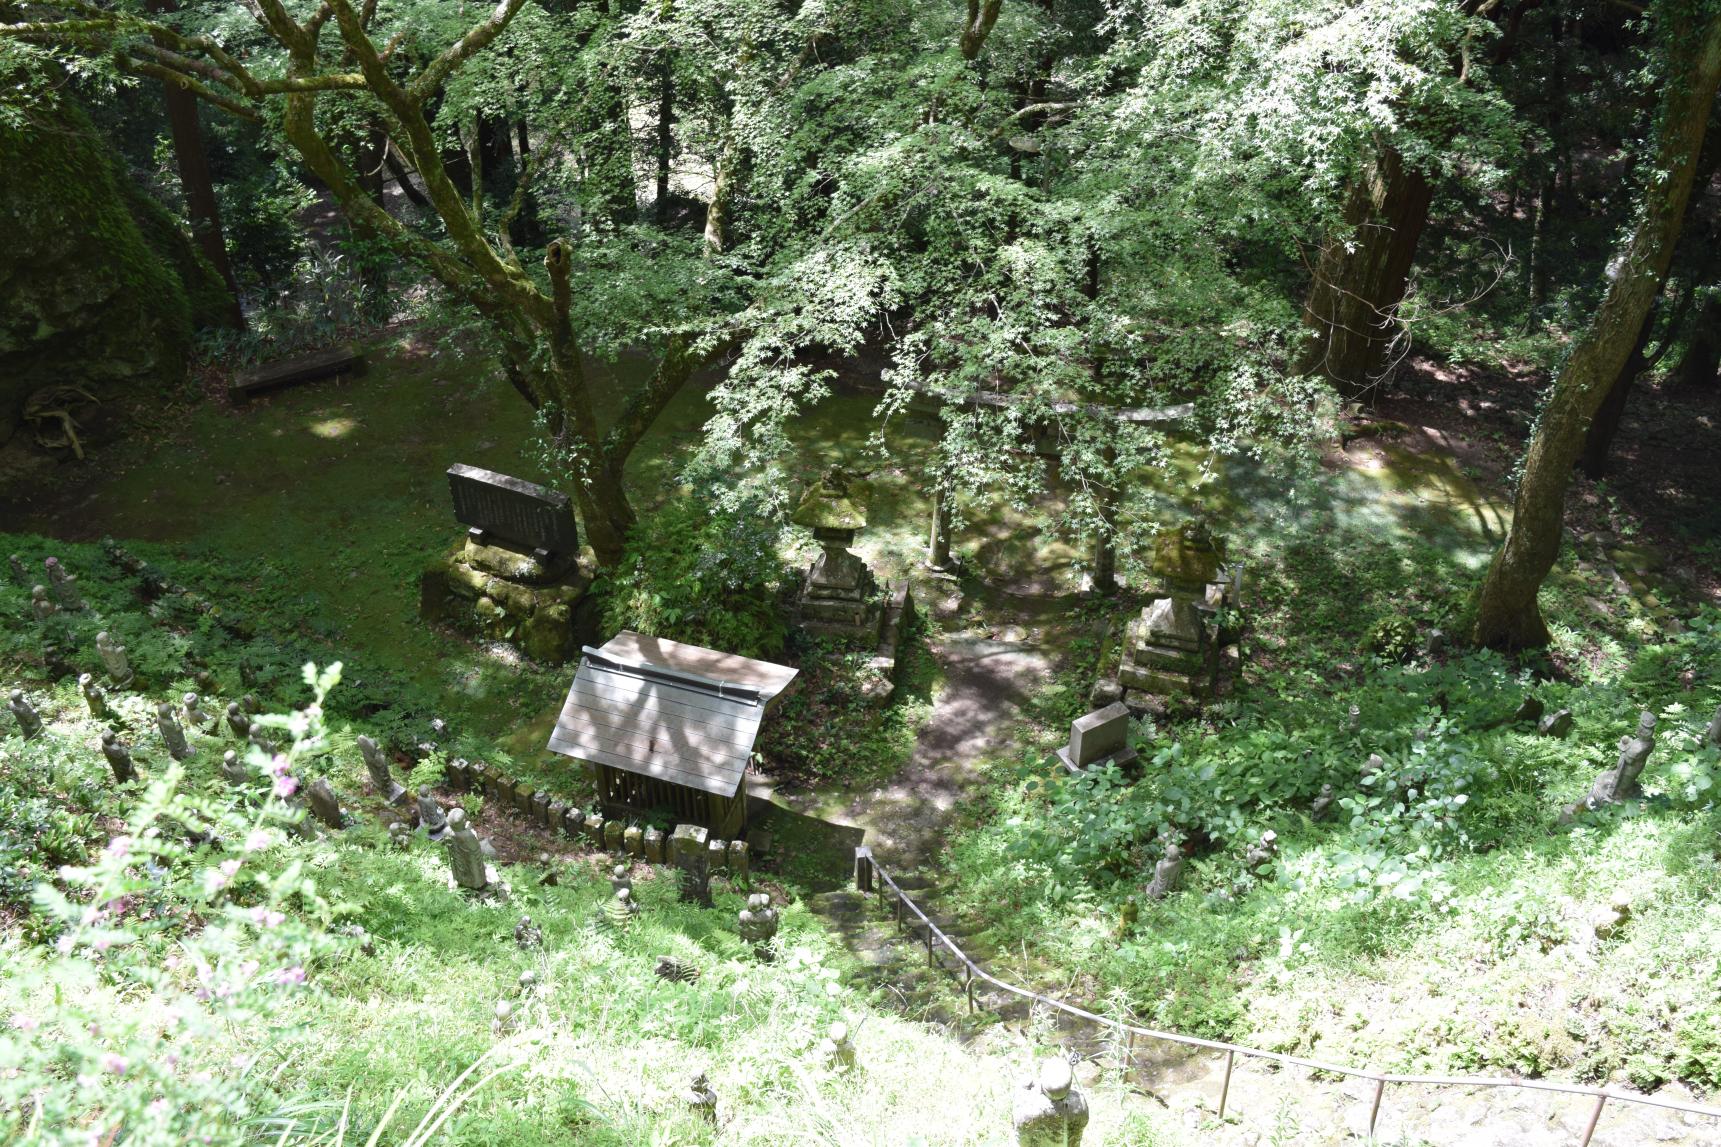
{"points": [[704, 574]]}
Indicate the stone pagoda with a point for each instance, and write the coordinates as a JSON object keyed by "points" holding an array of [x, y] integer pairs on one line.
{"points": [[840, 595], [1173, 647]]}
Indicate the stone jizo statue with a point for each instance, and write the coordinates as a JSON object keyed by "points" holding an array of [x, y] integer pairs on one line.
{"points": [[94, 698], [325, 805], [701, 1098], [625, 904], [40, 605], [119, 758], [1050, 1112], [29, 722], [836, 1050], [237, 722], [195, 716], [620, 878], [233, 769], [20, 575], [400, 834], [113, 658], [177, 746], [465, 852], [1713, 737], [1262, 852], [376, 764], [503, 1023], [1166, 873], [528, 934], [1323, 802], [430, 817], [757, 922], [1620, 782], [65, 586]]}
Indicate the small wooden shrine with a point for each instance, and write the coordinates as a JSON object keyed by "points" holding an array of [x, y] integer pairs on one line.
{"points": [[669, 728]]}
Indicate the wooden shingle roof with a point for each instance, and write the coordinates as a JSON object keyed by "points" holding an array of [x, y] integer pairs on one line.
{"points": [[662, 709]]}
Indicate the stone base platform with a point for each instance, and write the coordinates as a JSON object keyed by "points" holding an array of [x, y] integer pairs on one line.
{"points": [[506, 596]]}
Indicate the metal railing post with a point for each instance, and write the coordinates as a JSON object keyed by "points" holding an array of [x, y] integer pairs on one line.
{"points": [[1225, 1088], [968, 986], [1374, 1109], [1595, 1118]]}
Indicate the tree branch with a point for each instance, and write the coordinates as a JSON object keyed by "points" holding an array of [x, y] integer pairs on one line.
{"points": [[479, 38]]}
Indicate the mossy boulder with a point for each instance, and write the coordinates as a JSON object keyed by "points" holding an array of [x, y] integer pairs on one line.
{"points": [[94, 273]]}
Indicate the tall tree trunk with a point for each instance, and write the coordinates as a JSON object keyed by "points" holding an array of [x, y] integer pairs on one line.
{"points": [[665, 141], [1702, 360], [201, 206], [1507, 615], [1604, 427], [1360, 275]]}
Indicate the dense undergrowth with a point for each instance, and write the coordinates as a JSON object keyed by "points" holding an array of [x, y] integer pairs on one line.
{"points": [[1437, 914]]}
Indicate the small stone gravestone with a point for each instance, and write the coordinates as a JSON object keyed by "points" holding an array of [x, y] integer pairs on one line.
{"points": [[325, 806], [613, 835], [1097, 738], [633, 840], [430, 817], [558, 815], [594, 830], [738, 860], [654, 845], [523, 798], [573, 821], [687, 847], [40, 606], [1530, 709], [541, 808], [717, 855], [114, 659], [233, 769]]}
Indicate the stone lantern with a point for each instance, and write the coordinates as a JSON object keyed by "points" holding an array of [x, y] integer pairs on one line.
{"points": [[1173, 647], [839, 595]]}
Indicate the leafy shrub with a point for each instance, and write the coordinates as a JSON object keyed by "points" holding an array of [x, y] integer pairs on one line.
{"points": [[1393, 638], [702, 574]]}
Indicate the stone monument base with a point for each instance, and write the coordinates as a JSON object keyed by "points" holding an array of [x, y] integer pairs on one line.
{"points": [[507, 596]]}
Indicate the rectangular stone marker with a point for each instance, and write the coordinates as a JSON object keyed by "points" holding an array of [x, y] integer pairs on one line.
{"points": [[634, 840], [1099, 735], [738, 860], [689, 840], [459, 774], [595, 830], [523, 798], [494, 783], [613, 830], [717, 855], [558, 813], [654, 845], [573, 823], [512, 513], [541, 808]]}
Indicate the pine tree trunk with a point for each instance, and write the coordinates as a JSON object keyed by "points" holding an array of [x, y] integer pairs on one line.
{"points": [[665, 140], [1361, 274], [1507, 615]]}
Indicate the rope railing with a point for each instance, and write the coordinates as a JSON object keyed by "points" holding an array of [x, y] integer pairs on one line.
{"points": [[870, 876]]}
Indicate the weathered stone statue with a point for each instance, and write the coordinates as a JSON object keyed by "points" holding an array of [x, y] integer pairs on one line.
{"points": [[377, 766], [1556, 724], [195, 716], [503, 1023], [400, 834], [688, 848], [94, 698], [325, 805], [465, 852], [702, 1099], [1713, 736], [624, 905], [20, 575], [1323, 802], [177, 746], [528, 934], [620, 878], [1620, 782], [837, 1051], [1050, 1112], [1262, 851], [757, 923], [29, 723], [113, 658], [40, 605], [237, 722], [65, 586], [119, 758], [233, 769], [250, 704], [430, 817], [1166, 873]]}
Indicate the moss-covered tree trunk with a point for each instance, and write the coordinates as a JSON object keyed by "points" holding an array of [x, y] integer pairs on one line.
{"points": [[1507, 615], [1361, 274]]}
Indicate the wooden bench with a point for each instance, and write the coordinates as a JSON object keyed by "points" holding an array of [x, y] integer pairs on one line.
{"points": [[344, 359]]}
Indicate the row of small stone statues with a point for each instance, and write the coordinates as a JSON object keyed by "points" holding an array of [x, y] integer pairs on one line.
{"points": [[61, 591]]}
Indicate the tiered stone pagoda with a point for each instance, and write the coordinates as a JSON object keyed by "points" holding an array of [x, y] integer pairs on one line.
{"points": [[840, 595], [1173, 647]]}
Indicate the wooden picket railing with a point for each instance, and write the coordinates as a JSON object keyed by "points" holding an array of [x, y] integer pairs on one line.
{"points": [[870, 876]]}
